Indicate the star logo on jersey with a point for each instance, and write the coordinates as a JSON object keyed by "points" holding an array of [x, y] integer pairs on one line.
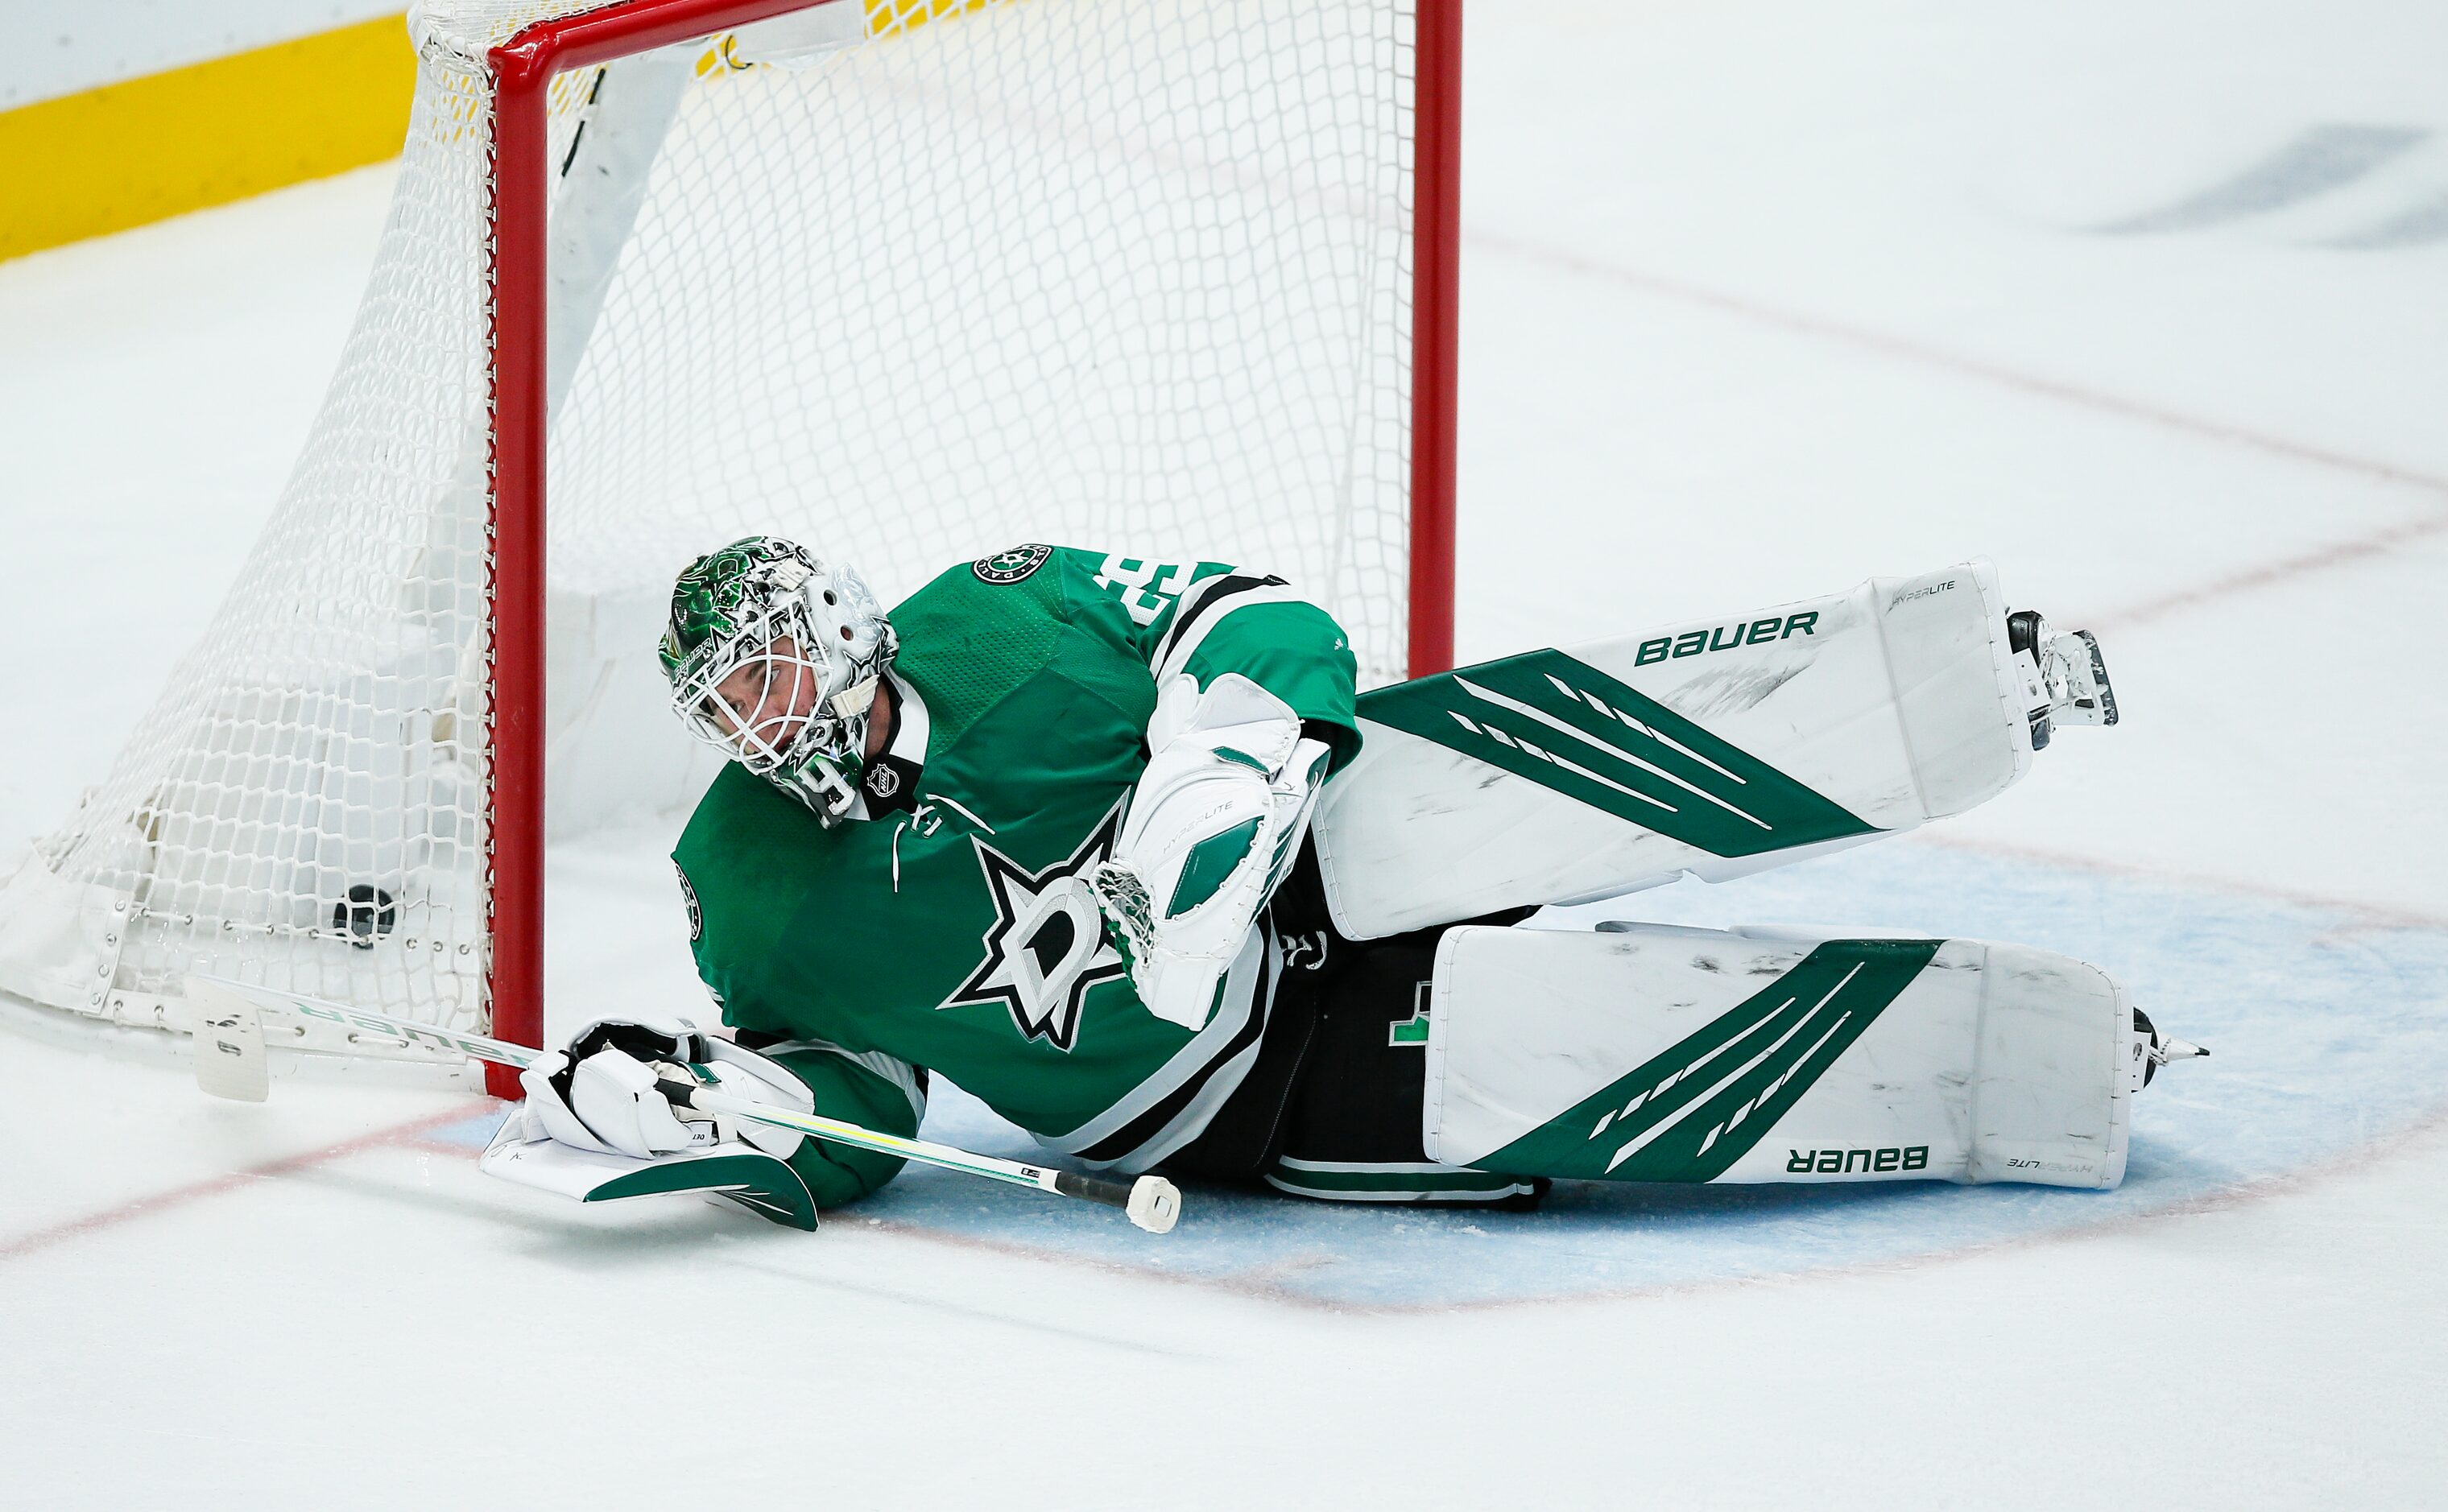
{"points": [[1005, 567], [1047, 945]]}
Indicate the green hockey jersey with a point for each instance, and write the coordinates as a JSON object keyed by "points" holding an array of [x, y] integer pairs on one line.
{"points": [[950, 925]]}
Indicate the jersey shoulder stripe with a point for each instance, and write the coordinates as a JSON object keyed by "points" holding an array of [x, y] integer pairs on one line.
{"points": [[1214, 603]]}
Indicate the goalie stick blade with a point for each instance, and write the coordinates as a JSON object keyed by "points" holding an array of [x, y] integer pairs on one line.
{"points": [[229, 1058]]}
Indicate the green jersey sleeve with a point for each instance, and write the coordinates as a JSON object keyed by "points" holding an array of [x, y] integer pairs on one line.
{"points": [[874, 1091], [1207, 619]]}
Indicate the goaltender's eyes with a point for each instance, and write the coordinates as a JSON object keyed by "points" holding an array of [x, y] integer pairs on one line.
{"points": [[774, 697], [733, 703]]}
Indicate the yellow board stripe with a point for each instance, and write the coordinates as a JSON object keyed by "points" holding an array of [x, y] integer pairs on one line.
{"points": [[884, 17], [169, 142], [132, 153]]}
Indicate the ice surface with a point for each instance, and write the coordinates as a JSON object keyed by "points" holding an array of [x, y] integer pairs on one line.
{"points": [[1760, 299], [2297, 1080]]}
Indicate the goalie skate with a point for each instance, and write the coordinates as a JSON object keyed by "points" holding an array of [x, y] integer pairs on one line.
{"points": [[2153, 1049], [2065, 678]]}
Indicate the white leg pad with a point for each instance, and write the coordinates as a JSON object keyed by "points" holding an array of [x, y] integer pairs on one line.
{"points": [[1664, 1054], [1717, 748]]}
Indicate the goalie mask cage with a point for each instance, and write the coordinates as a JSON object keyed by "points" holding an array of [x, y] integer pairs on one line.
{"points": [[906, 281]]}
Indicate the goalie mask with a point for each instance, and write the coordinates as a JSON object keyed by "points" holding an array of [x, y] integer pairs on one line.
{"points": [[774, 657]]}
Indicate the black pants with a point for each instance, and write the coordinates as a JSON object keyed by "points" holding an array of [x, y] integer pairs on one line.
{"points": [[1332, 1109]]}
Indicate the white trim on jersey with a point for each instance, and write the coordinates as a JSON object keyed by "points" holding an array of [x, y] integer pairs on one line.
{"points": [[1248, 989], [1174, 651]]}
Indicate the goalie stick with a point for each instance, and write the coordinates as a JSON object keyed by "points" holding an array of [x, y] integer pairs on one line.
{"points": [[230, 1062]]}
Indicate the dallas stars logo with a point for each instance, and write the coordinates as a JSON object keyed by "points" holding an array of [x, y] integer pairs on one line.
{"points": [[1010, 566], [1047, 945]]}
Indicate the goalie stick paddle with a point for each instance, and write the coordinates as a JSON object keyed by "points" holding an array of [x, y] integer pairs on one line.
{"points": [[230, 1064]]}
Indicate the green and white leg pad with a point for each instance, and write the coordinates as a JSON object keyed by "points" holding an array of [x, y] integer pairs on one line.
{"points": [[1653, 1053], [1718, 747]]}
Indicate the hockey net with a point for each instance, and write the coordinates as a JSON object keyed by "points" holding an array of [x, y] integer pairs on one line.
{"points": [[909, 280]]}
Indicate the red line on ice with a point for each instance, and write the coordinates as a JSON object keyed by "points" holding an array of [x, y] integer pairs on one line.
{"points": [[2339, 554], [1910, 350], [219, 1185], [2385, 915]]}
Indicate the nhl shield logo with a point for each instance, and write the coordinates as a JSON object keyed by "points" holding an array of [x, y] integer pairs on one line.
{"points": [[1012, 565]]}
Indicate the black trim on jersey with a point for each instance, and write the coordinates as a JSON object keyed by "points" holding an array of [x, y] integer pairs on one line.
{"points": [[1246, 1133], [1203, 598], [1150, 1123], [1243, 1137], [1323, 974], [890, 782]]}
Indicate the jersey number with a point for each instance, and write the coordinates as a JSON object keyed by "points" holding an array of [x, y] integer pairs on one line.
{"points": [[1145, 589]]}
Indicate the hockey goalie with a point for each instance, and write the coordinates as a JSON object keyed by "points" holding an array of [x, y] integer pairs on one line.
{"points": [[1115, 846]]}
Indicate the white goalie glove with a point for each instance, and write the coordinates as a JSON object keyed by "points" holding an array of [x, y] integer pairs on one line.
{"points": [[600, 1093], [1213, 827]]}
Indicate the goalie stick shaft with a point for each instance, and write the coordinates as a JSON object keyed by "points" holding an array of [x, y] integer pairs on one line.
{"points": [[1150, 1201]]}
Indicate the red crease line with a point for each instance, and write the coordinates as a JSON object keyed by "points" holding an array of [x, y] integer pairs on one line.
{"points": [[216, 1186], [2376, 912], [1955, 362], [2320, 559]]}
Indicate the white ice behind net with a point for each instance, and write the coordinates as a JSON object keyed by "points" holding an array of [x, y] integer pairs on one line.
{"points": [[1126, 275]]}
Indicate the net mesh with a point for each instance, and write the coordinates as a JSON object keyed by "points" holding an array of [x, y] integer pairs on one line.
{"points": [[1126, 275]]}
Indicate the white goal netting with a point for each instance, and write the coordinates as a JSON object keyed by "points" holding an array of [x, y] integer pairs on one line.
{"points": [[910, 281]]}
